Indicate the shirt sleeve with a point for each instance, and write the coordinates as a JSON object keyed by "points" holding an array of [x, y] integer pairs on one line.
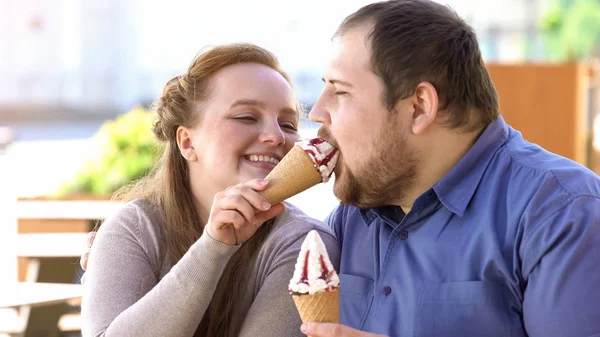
{"points": [[335, 221], [122, 293], [561, 267], [273, 312]]}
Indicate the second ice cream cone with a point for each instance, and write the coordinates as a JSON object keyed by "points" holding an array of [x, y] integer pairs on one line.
{"points": [[319, 307], [295, 173]]}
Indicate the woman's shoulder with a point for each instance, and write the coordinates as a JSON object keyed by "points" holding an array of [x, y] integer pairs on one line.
{"points": [[140, 221], [137, 215], [294, 220], [292, 226], [284, 243]]}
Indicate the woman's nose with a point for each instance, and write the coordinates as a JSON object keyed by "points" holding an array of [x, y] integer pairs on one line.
{"points": [[272, 134]]}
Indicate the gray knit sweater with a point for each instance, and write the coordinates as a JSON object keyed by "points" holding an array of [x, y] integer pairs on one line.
{"points": [[130, 292]]}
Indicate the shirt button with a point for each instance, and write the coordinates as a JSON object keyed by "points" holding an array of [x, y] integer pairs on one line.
{"points": [[387, 290], [404, 235]]}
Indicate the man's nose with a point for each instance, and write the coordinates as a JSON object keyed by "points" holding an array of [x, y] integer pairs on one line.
{"points": [[319, 112]]}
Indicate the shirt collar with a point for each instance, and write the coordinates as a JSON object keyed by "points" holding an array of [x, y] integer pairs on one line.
{"points": [[455, 190], [390, 214]]}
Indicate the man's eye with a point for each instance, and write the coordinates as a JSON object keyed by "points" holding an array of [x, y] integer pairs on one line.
{"points": [[340, 93]]}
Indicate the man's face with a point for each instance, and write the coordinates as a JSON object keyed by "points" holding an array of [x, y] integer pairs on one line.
{"points": [[376, 165]]}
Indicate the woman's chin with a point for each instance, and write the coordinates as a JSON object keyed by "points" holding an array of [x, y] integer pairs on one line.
{"points": [[253, 175]]}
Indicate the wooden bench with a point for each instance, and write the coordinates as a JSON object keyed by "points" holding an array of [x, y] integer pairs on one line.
{"points": [[40, 305], [53, 260], [46, 216], [38, 294], [49, 239], [52, 257]]}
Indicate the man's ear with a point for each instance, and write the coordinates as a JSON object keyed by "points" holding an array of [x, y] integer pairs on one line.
{"points": [[425, 103], [185, 144]]}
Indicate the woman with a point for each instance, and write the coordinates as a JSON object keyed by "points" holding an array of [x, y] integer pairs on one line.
{"points": [[188, 256]]}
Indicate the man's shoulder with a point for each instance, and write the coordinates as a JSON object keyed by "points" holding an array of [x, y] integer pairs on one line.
{"points": [[531, 166], [534, 183]]}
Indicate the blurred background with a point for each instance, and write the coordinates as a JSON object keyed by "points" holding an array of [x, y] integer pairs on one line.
{"points": [[67, 66], [77, 77]]}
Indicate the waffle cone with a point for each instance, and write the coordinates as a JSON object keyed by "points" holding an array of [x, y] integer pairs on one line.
{"points": [[319, 307], [295, 173]]}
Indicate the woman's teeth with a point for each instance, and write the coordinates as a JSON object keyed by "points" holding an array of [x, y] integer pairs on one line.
{"points": [[265, 159]]}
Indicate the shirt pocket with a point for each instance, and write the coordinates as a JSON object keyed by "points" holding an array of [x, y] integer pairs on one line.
{"points": [[355, 299], [473, 308]]}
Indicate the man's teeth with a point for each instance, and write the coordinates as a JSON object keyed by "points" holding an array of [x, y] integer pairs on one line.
{"points": [[265, 159]]}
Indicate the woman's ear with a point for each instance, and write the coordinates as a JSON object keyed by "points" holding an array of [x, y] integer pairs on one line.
{"points": [[185, 144], [425, 103]]}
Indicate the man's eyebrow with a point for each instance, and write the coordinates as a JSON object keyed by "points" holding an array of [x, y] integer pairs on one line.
{"points": [[334, 81], [254, 102]]}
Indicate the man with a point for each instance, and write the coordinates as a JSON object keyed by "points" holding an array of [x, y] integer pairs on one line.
{"points": [[450, 223]]}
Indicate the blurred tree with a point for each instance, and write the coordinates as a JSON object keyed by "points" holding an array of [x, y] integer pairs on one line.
{"points": [[126, 152], [571, 29]]}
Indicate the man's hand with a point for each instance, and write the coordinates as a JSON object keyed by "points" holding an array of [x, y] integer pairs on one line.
{"points": [[333, 330], [85, 256]]}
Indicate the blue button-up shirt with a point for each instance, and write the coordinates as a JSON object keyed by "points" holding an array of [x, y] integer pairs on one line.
{"points": [[506, 244]]}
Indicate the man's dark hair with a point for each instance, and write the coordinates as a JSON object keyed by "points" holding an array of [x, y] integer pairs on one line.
{"points": [[420, 40]]}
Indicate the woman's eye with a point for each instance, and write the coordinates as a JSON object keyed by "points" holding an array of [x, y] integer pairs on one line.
{"points": [[246, 118], [340, 93], [289, 126]]}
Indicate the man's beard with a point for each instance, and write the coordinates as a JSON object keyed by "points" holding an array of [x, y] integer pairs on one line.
{"points": [[385, 177]]}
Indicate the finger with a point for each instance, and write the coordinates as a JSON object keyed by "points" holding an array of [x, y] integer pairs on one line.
{"points": [[274, 211], [234, 218], [240, 204], [252, 196], [257, 184], [84, 260], [245, 232], [329, 330], [84, 257], [90, 239]]}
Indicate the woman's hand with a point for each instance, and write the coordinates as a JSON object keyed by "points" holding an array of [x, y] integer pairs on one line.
{"points": [[238, 212]]}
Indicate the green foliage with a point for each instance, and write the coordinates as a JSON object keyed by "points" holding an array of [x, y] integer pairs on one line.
{"points": [[126, 151], [571, 29]]}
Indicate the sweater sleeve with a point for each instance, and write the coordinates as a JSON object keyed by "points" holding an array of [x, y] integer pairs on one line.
{"points": [[123, 295], [273, 312]]}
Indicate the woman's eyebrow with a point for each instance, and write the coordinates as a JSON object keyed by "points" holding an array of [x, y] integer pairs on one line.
{"points": [[252, 102]]}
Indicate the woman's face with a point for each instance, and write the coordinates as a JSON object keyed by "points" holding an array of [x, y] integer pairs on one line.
{"points": [[246, 126]]}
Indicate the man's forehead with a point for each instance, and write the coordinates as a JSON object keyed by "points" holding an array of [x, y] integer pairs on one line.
{"points": [[349, 56]]}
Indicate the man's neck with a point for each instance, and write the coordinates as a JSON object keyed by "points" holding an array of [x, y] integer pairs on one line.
{"points": [[439, 156]]}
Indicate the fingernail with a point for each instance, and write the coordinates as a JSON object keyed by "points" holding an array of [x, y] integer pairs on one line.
{"points": [[304, 328], [264, 182], [266, 205]]}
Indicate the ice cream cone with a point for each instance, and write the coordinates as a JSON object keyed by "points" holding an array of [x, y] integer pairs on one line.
{"points": [[295, 173], [319, 307]]}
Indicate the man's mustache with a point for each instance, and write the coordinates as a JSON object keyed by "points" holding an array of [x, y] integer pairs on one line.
{"points": [[325, 134]]}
